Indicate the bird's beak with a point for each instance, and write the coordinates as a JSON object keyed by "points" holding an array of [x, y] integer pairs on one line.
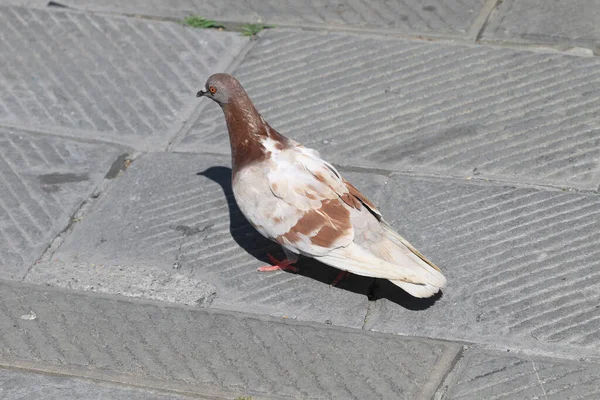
{"points": [[201, 92]]}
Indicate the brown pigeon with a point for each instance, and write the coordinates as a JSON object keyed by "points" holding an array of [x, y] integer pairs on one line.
{"points": [[295, 198]]}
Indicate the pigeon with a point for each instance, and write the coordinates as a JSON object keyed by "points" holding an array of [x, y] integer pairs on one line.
{"points": [[290, 195]]}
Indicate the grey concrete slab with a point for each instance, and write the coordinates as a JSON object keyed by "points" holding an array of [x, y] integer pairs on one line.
{"points": [[211, 352], [43, 180], [522, 264], [25, 3], [439, 108], [122, 79], [405, 16], [546, 22], [495, 375], [21, 385], [165, 232]]}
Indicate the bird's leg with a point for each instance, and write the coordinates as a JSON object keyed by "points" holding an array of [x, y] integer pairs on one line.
{"points": [[339, 277], [282, 265]]}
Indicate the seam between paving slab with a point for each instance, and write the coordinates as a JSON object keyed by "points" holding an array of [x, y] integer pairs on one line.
{"points": [[424, 35], [193, 110], [474, 39], [66, 133], [416, 173], [210, 310], [197, 107], [385, 32], [441, 370], [473, 35], [492, 181], [121, 379], [436, 379], [86, 206], [480, 23], [73, 134]]}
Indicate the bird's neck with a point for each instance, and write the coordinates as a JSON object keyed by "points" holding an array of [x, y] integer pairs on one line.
{"points": [[247, 132]]}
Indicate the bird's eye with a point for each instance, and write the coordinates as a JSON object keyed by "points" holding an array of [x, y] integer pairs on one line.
{"points": [[212, 89]]}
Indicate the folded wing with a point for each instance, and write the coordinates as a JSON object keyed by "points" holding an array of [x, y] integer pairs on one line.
{"points": [[336, 224]]}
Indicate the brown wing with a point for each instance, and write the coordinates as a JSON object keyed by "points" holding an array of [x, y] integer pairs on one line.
{"points": [[325, 227], [321, 201], [354, 198], [356, 194]]}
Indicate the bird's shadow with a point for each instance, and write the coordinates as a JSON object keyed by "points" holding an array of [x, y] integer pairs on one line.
{"points": [[258, 246]]}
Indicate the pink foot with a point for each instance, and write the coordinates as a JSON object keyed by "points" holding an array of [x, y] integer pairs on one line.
{"points": [[283, 265], [339, 277]]}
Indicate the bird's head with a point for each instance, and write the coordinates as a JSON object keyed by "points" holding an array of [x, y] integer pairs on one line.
{"points": [[222, 88]]}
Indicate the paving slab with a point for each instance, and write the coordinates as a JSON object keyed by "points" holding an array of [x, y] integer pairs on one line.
{"points": [[211, 352], [493, 375], [546, 22], [43, 180], [165, 232], [404, 16], [126, 80], [522, 264], [26, 3], [19, 384], [437, 108]]}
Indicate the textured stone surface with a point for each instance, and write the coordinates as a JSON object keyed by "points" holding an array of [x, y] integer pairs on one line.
{"points": [[27, 385], [162, 217], [495, 375], [43, 180], [548, 22], [26, 3], [121, 79], [406, 16], [522, 264], [442, 108], [211, 352]]}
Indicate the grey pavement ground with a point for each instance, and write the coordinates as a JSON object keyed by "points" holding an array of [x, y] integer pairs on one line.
{"points": [[128, 272]]}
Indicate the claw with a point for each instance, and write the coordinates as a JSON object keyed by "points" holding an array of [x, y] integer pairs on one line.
{"points": [[339, 277], [283, 265]]}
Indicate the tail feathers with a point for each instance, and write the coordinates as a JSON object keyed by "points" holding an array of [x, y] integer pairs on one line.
{"points": [[395, 236], [421, 291], [357, 260]]}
